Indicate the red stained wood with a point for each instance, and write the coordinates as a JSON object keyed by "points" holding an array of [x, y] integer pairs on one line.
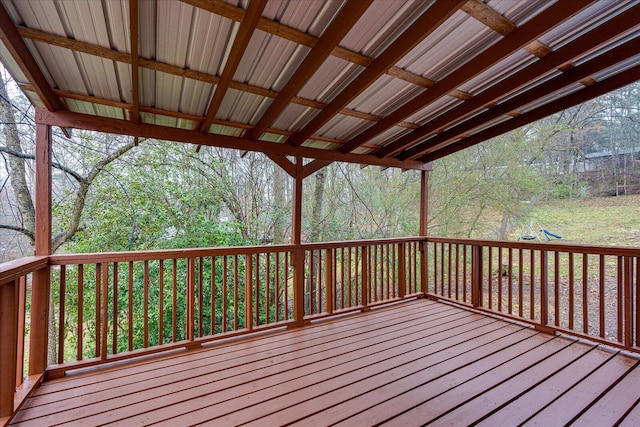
{"points": [[406, 363]]}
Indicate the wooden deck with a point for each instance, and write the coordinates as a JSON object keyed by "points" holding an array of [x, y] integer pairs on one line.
{"points": [[414, 363]]}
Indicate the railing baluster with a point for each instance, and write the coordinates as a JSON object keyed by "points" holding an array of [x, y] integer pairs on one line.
{"points": [[366, 293], [277, 286], [476, 280], [585, 293], [212, 301], [500, 274], [236, 300], [510, 290], [130, 306], [22, 311], [637, 304], [520, 282], [114, 320], [98, 294], [327, 278], [145, 303], [402, 265], [571, 297], [628, 301], [556, 280], [490, 278], [225, 273], [61, 334], [544, 280], [160, 302], [620, 297], [105, 311], [532, 281], [257, 290], [174, 314], [80, 325], [248, 310], [191, 284], [200, 295], [464, 273], [601, 297]]}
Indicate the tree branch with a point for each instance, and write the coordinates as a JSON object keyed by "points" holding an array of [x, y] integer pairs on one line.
{"points": [[22, 230], [63, 168]]}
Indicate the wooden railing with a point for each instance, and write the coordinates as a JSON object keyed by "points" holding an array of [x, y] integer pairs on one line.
{"points": [[587, 291], [17, 378], [112, 306]]}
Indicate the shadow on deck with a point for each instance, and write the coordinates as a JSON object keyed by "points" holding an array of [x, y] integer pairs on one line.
{"points": [[413, 363]]}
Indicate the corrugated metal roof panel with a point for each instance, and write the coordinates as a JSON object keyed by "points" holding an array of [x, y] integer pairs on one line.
{"points": [[500, 71], [453, 44], [519, 11], [333, 76], [321, 144], [389, 135], [385, 96], [95, 109], [12, 66], [306, 16], [269, 60], [552, 97], [381, 24], [584, 21], [242, 107], [343, 127], [434, 109], [208, 33], [294, 117], [609, 72], [195, 97]]}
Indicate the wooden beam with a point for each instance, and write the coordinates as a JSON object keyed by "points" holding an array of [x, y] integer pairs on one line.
{"points": [[314, 166], [549, 63], [20, 52], [133, 26], [424, 203], [584, 70], [240, 43], [335, 32], [296, 220], [600, 88], [124, 127], [284, 163], [530, 30], [428, 22]]}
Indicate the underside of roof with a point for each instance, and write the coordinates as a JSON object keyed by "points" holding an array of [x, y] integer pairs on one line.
{"points": [[376, 82]]}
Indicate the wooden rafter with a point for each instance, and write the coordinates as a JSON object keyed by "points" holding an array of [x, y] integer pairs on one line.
{"points": [[335, 32], [550, 62], [13, 41], [146, 130], [135, 90], [240, 43], [518, 38], [576, 74], [420, 29], [592, 91]]}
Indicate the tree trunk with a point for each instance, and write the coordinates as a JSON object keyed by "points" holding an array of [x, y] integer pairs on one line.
{"points": [[17, 170]]}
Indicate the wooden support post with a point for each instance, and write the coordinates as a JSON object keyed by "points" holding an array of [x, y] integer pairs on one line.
{"points": [[424, 218], [8, 344], [476, 276], [298, 254], [41, 279], [402, 275]]}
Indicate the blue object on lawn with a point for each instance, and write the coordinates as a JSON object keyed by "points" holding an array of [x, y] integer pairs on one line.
{"points": [[549, 235]]}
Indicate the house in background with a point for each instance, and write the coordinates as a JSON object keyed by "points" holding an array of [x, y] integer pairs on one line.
{"points": [[443, 335]]}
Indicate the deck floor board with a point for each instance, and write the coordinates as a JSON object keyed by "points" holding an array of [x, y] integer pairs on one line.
{"points": [[413, 363]]}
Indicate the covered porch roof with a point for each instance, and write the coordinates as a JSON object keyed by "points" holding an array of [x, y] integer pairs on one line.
{"points": [[395, 84]]}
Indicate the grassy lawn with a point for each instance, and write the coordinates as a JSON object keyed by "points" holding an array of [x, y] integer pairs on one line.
{"points": [[611, 221]]}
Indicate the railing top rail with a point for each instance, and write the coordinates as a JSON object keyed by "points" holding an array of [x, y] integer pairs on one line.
{"points": [[544, 246], [12, 270], [88, 258]]}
